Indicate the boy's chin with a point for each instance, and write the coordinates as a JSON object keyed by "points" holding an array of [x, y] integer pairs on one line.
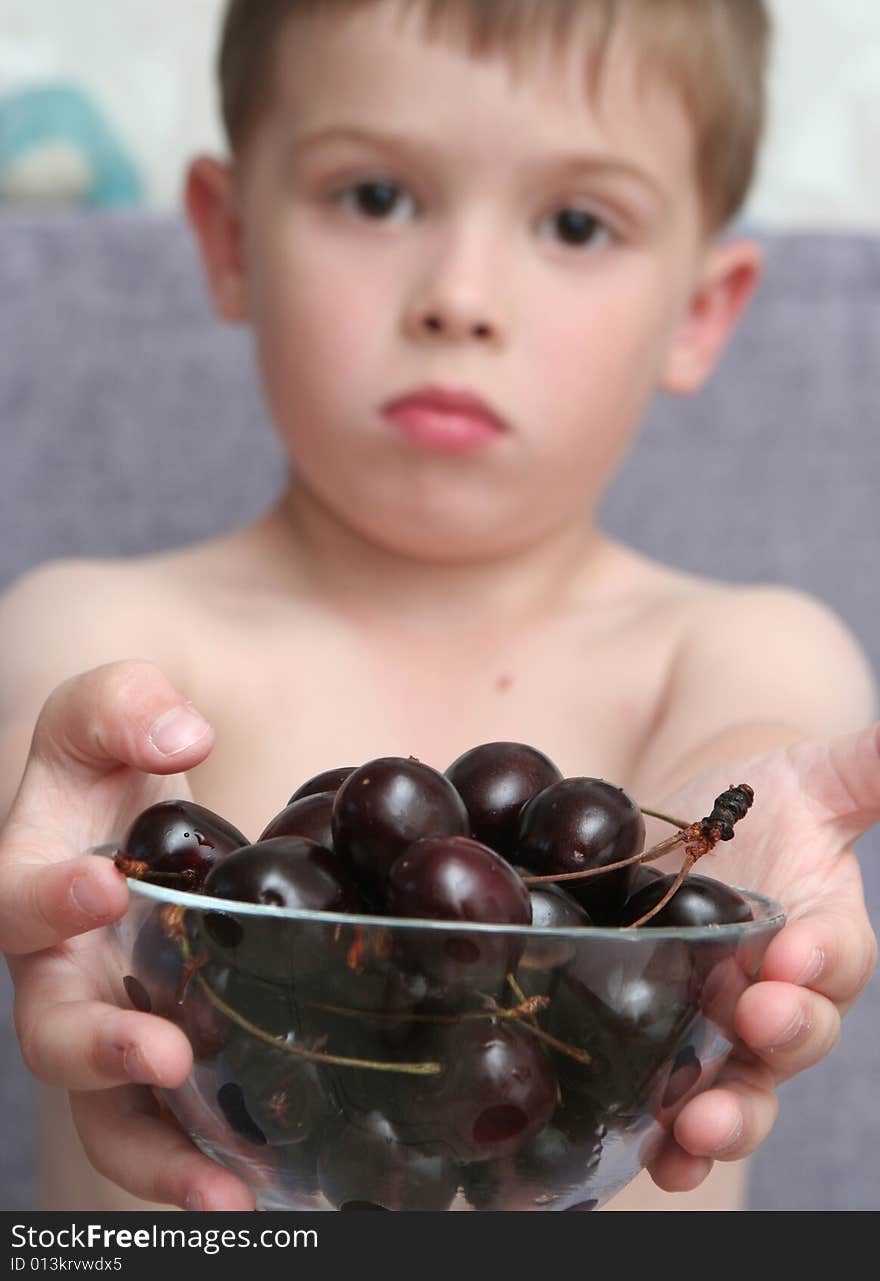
{"points": [[446, 541]]}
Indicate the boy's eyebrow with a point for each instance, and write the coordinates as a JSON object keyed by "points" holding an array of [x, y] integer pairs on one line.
{"points": [[565, 164]]}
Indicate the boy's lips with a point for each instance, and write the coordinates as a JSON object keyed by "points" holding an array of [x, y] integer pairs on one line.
{"points": [[445, 419]]}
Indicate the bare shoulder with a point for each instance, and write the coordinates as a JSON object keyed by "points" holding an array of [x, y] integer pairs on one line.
{"points": [[69, 615], [754, 667], [780, 649]]}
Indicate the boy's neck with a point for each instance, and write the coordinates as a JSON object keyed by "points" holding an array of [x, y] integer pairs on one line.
{"points": [[323, 556]]}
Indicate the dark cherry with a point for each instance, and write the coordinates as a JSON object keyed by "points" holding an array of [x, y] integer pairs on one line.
{"points": [[552, 908], [386, 805], [283, 871], [497, 1089], [180, 836], [270, 1095], [160, 984], [495, 780], [582, 823], [557, 1165], [699, 900], [269, 1006], [643, 874], [454, 878], [309, 816], [628, 1012], [329, 780], [368, 1166]]}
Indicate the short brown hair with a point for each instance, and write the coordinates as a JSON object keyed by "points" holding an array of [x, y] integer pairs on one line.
{"points": [[714, 51]]}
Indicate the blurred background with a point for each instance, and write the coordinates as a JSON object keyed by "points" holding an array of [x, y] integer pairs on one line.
{"points": [[105, 100], [102, 102]]}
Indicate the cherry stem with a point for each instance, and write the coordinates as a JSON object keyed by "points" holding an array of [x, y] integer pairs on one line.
{"points": [[580, 1056], [647, 856], [698, 838], [526, 1009], [141, 871], [686, 866], [314, 1056], [521, 996], [665, 818]]}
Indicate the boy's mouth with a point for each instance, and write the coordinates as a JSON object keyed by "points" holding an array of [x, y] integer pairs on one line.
{"points": [[445, 419]]}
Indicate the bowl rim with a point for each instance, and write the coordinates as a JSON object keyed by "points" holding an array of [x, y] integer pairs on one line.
{"points": [[773, 917]]}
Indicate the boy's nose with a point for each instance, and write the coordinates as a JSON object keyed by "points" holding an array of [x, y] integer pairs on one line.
{"points": [[442, 321], [458, 301]]}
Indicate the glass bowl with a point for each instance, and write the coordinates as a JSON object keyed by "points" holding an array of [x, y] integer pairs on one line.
{"points": [[364, 1062]]}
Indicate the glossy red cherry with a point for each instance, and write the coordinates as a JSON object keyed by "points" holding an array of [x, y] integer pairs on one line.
{"points": [[698, 901], [369, 1166], [329, 780], [495, 780], [308, 816], [578, 824], [180, 836], [454, 878], [283, 871], [386, 805]]}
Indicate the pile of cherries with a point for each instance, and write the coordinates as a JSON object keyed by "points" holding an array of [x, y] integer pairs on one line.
{"points": [[394, 1066]]}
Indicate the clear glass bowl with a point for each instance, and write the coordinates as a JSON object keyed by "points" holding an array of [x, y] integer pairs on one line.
{"points": [[363, 1062]]}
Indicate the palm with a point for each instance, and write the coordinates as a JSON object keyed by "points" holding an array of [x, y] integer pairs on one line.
{"points": [[812, 801], [795, 843]]}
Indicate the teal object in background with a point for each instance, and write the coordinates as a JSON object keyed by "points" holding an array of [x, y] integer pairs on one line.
{"points": [[47, 121]]}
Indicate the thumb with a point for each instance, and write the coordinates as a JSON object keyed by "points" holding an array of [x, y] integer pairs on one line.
{"points": [[125, 713], [845, 781], [121, 714]]}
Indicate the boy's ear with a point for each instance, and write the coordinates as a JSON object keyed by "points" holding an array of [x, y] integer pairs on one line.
{"points": [[212, 206], [727, 281]]}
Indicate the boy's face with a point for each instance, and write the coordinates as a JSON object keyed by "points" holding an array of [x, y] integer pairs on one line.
{"points": [[411, 217]]}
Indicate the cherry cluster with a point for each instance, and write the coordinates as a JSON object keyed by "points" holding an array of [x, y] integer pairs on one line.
{"points": [[395, 1065]]}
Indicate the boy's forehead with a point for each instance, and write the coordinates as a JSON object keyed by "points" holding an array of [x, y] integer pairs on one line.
{"points": [[376, 67]]}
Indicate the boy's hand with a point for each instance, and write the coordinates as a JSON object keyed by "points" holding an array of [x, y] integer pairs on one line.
{"points": [[100, 742], [812, 800]]}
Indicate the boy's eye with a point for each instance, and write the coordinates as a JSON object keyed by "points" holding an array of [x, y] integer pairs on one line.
{"points": [[578, 228], [376, 200]]}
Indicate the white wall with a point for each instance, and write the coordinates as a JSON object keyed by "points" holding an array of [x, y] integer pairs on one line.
{"points": [[148, 64]]}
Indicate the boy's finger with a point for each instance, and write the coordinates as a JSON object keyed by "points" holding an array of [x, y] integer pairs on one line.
{"points": [[42, 904], [129, 1142], [789, 1028], [125, 713], [730, 1120], [845, 783], [833, 954], [87, 1045], [674, 1170]]}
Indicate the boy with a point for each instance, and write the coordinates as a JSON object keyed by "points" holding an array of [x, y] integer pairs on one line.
{"points": [[470, 253]]}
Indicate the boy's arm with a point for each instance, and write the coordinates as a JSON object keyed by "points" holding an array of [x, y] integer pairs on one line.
{"points": [[760, 668], [77, 762], [771, 689]]}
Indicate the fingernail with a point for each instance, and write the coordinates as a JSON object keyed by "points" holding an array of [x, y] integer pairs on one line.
{"points": [[89, 899], [813, 968], [732, 1139], [136, 1067], [194, 1201], [789, 1034], [178, 729]]}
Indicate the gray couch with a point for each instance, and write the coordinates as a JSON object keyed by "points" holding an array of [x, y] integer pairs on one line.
{"points": [[129, 420]]}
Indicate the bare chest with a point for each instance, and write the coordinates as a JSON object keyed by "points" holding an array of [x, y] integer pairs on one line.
{"points": [[286, 706]]}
